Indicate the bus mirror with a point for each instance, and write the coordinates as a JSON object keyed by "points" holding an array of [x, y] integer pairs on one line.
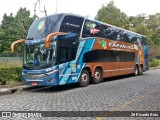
{"points": [[50, 36], [15, 42]]}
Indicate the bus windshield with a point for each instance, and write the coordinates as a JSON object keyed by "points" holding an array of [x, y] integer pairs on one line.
{"points": [[41, 27], [37, 56]]}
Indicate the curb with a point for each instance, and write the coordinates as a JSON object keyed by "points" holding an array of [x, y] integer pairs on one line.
{"points": [[153, 68], [13, 89], [16, 88], [4, 91]]}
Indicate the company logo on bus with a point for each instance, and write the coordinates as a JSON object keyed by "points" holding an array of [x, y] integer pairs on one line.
{"points": [[41, 25], [103, 44], [122, 46]]}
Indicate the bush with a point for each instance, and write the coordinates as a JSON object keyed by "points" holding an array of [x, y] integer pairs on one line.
{"points": [[8, 74], [7, 54], [154, 63]]}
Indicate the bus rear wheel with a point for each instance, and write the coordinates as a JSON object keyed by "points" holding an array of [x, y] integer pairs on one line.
{"points": [[97, 76], [84, 78]]}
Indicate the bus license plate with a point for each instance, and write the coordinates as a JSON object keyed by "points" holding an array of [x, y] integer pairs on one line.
{"points": [[34, 84]]}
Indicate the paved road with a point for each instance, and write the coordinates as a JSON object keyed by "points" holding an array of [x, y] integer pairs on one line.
{"points": [[129, 93]]}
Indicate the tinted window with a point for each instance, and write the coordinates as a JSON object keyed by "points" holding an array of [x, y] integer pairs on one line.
{"points": [[41, 27], [94, 56], [143, 40], [108, 56], [66, 54], [72, 24], [132, 37], [67, 47], [95, 29], [126, 56]]}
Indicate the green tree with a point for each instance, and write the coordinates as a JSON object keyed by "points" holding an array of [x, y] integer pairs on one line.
{"points": [[7, 27], [112, 15], [148, 26], [23, 21], [13, 28], [153, 22]]}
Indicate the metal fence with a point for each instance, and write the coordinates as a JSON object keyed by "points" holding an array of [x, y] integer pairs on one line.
{"points": [[10, 59]]}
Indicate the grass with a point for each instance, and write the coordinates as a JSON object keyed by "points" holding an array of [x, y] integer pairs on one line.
{"points": [[154, 63]]}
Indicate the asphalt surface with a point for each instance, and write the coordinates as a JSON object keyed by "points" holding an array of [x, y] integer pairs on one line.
{"points": [[126, 93]]}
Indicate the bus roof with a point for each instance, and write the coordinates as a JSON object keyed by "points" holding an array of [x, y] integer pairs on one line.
{"points": [[71, 14]]}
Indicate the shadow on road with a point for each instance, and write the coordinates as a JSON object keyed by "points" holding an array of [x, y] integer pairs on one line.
{"points": [[51, 89]]}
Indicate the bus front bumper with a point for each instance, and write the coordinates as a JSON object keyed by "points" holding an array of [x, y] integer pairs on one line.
{"points": [[51, 80]]}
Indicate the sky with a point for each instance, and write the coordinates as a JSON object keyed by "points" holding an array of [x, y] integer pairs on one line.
{"points": [[81, 7]]}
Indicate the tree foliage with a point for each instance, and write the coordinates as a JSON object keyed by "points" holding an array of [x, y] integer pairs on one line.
{"points": [[16, 27], [148, 26], [112, 15], [13, 28]]}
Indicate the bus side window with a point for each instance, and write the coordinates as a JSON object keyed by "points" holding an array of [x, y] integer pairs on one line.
{"points": [[134, 39], [63, 56], [87, 29], [125, 37], [71, 24], [143, 41], [67, 53]]}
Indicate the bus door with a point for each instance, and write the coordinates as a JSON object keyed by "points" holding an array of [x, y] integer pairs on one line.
{"points": [[67, 49]]}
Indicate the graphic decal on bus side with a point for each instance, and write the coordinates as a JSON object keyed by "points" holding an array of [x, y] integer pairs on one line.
{"points": [[67, 72], [91, 28], [72, 74], [88, 46], [41, 25], [114, 44], [122, 46], [103, 44], [94, 30]]}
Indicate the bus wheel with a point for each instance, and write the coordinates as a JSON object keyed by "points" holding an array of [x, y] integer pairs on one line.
{"points": [[97, 76], [140, 71], [136, 71], [84, 78]]}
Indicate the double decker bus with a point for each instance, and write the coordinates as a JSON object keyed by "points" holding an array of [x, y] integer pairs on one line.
{"points": [[65, 48]]}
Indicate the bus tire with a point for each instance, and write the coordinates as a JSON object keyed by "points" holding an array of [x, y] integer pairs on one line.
{"points": [[84, 78], [140, 71], [136, 70], [97, 76]]}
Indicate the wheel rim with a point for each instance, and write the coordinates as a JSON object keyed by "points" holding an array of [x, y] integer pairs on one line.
{"points": [[84, 77], [140, 70], [97, 75], [136, 71]]}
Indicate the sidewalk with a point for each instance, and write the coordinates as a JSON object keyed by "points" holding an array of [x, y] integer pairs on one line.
{"points": [[9, 89], [152, 68]]}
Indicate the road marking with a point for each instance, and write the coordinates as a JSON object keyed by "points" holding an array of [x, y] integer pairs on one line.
{"points": [[119, 106]]}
